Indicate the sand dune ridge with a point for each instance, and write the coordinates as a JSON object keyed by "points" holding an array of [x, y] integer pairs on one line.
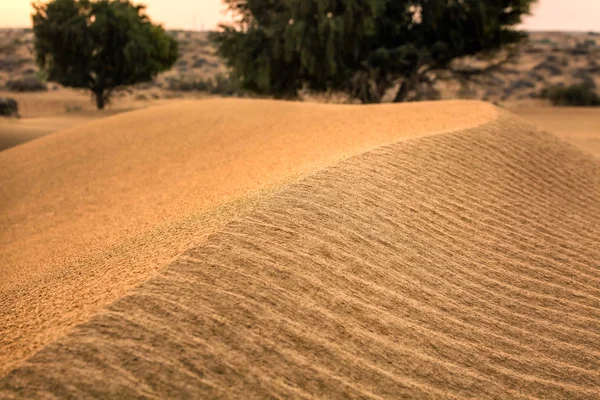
{"points": [[464, 264], [90, 212]]}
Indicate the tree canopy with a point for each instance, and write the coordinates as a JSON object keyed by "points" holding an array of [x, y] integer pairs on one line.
{"points": [[99, 45], [362, 47]]}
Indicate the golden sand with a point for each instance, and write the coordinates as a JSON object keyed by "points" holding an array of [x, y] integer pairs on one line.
{"points": [[464, 264], [88, 213], [577, 125]]}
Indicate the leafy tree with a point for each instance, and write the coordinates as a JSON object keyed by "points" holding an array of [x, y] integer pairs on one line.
{"points": [[99, 45], [362, 47]]}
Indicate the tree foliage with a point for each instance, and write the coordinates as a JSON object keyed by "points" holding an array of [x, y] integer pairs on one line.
{"points": [[99, 45], [363, 47]]}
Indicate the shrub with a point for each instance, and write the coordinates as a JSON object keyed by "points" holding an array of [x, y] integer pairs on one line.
{"points": [[9, 107], [535, 77], [466, 91], [11, 64], [26, 84], [522, 84], [200, 62], [579, 50], [550, 66], [589, 43], [221, 84], [574, 95], [533, 50], [224, 85], [545, 41], [585, 78], [182, 65], [188, 85]]}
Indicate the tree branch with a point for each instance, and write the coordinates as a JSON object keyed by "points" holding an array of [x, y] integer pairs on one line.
{"points": [[470, 72]]}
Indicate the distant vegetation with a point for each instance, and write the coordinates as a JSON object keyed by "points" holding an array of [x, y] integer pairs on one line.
{"points": [[574, 95], [26, 84], [362, 47], [9, 107], [99, 45], [220, 84], [545, 60]]}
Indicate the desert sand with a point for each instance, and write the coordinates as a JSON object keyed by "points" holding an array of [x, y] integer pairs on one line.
{"points": [[577, 125], [244, 248], [44, 113]]}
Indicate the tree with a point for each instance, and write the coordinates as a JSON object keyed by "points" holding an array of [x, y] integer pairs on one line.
{"points": [[362, 47], [99, 45]]}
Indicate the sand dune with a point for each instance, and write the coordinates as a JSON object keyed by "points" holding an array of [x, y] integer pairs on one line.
{"points": [[88, 213], [577, 125], [465, 264], [17, 131]]}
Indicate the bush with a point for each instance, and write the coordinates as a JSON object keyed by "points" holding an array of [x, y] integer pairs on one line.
{"points": [[224, 85], [584, 77], [579, 50], [545, 41], [182, 65], [11, 64], [221, 84], [535, 77], [199, 62], [533, 50], [550, 66], [522, 84], [574, 95], [26, 84], [188, 85], [8, 107]]}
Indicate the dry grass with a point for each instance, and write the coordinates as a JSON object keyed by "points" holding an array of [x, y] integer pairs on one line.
{"points": [[463, 264]]}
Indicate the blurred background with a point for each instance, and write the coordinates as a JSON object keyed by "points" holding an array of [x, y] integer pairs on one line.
{"points": [[540, 59]]}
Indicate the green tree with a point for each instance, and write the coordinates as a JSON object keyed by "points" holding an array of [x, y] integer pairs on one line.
{"points": [[362, 47], [99, 45]]}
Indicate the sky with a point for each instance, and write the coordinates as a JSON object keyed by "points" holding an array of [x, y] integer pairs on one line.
{"points": [[562, 15]]}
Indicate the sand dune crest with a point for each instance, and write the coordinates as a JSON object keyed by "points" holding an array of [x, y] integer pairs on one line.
{"points": [[465, 264], [88, 213]]}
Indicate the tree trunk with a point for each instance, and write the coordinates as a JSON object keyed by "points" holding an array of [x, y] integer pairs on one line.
{"points": [[407, 85], [100, 100]]}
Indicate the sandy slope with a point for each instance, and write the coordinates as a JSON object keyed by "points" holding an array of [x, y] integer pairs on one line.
{"points": [[577, 125], [17, 131], [43, 113], [88, 213], [465, 264]]}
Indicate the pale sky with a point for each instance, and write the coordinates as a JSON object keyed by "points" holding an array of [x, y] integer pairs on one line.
{"points": [[569, 15]]}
